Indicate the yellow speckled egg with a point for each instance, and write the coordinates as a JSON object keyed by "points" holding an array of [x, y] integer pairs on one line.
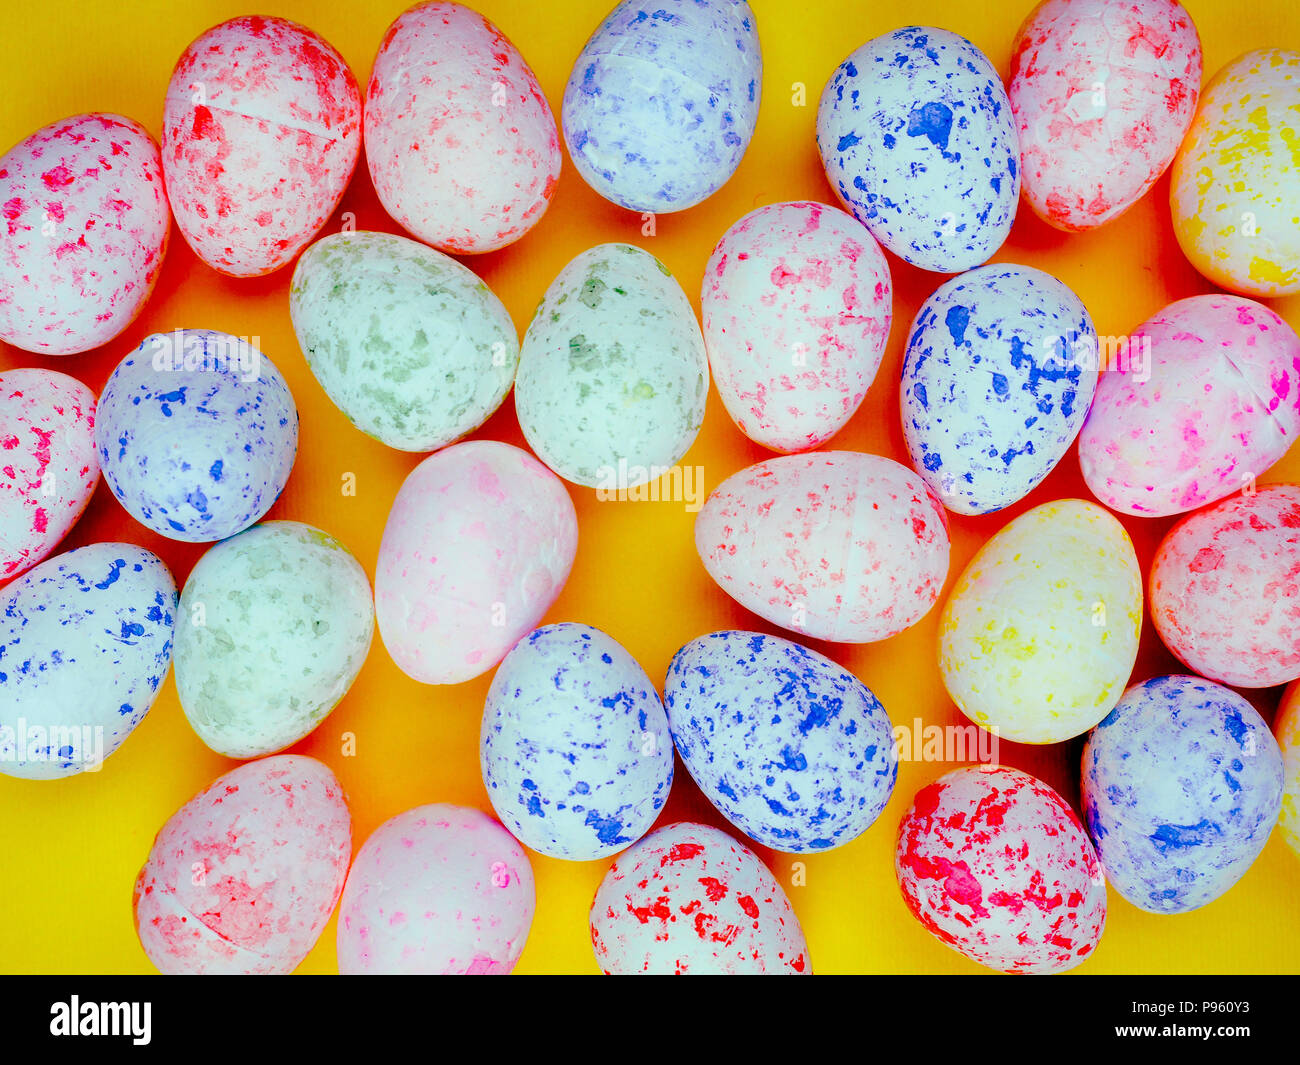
{"points": [[1287, 727]]}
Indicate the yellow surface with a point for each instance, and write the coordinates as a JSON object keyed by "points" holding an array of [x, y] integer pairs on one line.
{"points": [[70, 850]]}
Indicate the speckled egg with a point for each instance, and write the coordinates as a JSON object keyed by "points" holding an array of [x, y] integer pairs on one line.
{"points": [[478, 545], [197, 434], [795, 751], [836, 545], [261, 133], [613, 375], [999, 370], [1102, 92], [439, 890], [1286, 726], [797, 305], [662, 101], [690, 900], [994, 864], [85, 641], [407, 342], [86, 222], [48, 464], [243, 878], [919, 143], [1182, 784], [1236, 178], [1205, 400], [1040, 632]]}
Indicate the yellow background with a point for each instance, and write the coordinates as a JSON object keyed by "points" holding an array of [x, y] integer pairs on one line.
{"points": [[70, 850]]}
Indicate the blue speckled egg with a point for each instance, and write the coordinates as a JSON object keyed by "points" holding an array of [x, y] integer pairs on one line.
{"points": [[998, 375], [1182, 785], [196, 433], [919, 143], [662, 101], [575, 748], [794, 750], [85, 642]]}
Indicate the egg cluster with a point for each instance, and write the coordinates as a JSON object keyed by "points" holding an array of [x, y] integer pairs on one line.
{"points": [[929, 155]]}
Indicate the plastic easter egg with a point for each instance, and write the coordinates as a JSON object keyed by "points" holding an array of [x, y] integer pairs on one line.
{"points": [[999, 370], [1103, 92], [197, 434], [662, 102], [1286, 726], [1182, 784], [575, 748], [689, 900], [261, 133], [994, 864], [613, 375], [478, 545], [918, 141], [242, 879], [1236, 178], [1040, 632], [407, 342], [795, 751], [439, 890], [85, 641], [460, 141], [86, 222], [835, 545], [48, 464], [797, 305], [1204, 400]]}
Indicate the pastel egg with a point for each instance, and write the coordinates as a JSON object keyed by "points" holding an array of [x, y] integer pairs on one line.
{"points": [[439, 890], [275, 626], [999, 371], [407, 342], [919, 143], [1236, 178], [613, 375], [575, 748], [795, 751], [661, 104], [1202, 399], [86, 222], [1040, 632], [690, 900], [242, 879], [1182, 784], [836, 545], [1286, 726], [994, 864], [48, 464], [85, 641], [797, 305], [261, 133], [1103, 92], [478, 545], [197, 434]]}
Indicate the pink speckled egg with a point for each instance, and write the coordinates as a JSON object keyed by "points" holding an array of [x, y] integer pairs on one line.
{"points": [[243, 878], [461, 143], [441, 890], [478, 545], [48, 466], [1200, 401], [689, 899], [261, 133], [85, 221], [995, 864]]}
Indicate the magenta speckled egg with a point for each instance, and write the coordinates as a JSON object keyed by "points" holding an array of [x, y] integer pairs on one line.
{"points": [[261, 133], [243, 878], [439, 890], [1200, 401], [85, 221], [460, 140]]}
